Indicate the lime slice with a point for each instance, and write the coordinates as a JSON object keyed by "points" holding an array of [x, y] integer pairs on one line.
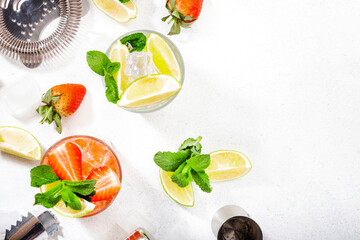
{"points": [[121, 12], [183, 196], [19, 142], [118, 53], [149, 90], [227, 165], [60, 207], [163, 57]]}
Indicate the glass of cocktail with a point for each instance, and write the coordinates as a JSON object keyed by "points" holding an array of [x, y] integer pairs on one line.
{"points": [[151, 70], [80, 157]]}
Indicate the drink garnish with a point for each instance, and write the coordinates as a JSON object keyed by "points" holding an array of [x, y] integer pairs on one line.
{"points": [[68, 191], [61, 101], [188, 164], [101, 64], [134, 42]]}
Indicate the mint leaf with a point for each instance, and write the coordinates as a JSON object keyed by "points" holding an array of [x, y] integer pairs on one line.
{"points": [[199, 162], [202, 180], [97, 61], [134, 42], [170, 161], [68, 191], [112, 68], [83, 187], [182, 176], [42, 174], [112, 91], [49, 198], [70, 199], [87, 197], [124, 1], [192, 144]]}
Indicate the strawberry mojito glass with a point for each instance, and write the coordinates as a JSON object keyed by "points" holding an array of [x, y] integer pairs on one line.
{"points": [[150, 77], [81, 157]]}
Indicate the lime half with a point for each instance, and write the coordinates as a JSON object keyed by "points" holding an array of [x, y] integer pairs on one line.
{"points": [[183, 196], [60, 207], [19, 142], [227, 165]]}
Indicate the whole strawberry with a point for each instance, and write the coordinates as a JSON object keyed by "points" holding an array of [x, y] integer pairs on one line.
{"points": [[183, 13], [61, 101]]}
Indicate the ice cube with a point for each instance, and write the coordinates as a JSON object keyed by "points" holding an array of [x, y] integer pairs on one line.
{"points": [[139, 64], [22, 97]]}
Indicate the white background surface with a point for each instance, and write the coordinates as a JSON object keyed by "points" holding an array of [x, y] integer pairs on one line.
{"points": [[277, 80]]}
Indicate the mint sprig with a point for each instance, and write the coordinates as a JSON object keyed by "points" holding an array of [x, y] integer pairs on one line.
{"points": [[134, 42], [68, 191], [170, 161], [101, 64], [41, 175], [188, 164]]}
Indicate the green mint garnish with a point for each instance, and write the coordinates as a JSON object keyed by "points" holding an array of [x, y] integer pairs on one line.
{"points": [[134, 42], [41, 175], [68, 191], [49, 198], [101, 64], [188, 164], [170, 161], [83, 187], [199, 162], [97, 61], [202, 180], [182, 175], [192, 144], [124, 1], [112, 91], [70, 199]]}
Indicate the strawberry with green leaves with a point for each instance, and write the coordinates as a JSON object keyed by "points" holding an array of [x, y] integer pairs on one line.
{"points": [[183, 13], [61, 101]]}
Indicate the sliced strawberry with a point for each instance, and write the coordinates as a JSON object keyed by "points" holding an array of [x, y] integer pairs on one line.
{"points": [[65, 160], [107, 183], [95, 155]]}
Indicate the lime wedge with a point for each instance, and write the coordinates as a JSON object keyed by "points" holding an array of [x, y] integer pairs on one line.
{"points": [[121, 12], [163, 57], [118, 53], [228, 165], [183, 196], [19, 142], [60, 207], [149, 90]]}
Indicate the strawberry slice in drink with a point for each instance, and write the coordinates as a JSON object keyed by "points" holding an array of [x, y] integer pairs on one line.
{"points": [[65, 160], [95, 155], [107, 183]]}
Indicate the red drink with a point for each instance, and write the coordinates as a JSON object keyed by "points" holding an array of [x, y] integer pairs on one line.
{"points": [[77, 158]]}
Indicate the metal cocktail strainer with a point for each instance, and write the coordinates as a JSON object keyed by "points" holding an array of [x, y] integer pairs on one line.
{"points": [[22, 25]]}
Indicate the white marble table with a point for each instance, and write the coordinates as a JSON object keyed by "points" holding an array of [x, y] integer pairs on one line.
{"points": [[278, 80]]}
